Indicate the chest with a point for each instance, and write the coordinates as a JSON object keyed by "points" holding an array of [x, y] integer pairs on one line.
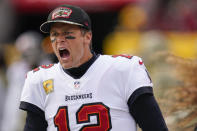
{"points": [[84, 102], [73, 93]]}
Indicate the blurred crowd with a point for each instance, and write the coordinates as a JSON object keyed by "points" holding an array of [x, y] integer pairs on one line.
{"points": [[29, 51], [168, 47], [162, 32]]}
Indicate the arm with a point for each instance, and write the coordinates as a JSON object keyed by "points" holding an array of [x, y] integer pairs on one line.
{"points": [[146, 112], [35, 122], [32, 101], [141, 102]]}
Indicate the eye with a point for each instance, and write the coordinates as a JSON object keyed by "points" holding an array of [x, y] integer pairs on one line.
{"points": [[67, 33], [54, 34]]}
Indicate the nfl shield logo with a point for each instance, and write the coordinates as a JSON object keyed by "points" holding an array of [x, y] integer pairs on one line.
{"points": [[76, 84]]}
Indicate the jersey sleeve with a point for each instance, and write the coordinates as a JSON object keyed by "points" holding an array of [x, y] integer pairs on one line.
{"points": [[139, 81], [33, 96]]}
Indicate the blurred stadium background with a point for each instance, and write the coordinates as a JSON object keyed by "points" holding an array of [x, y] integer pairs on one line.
{"points": [[162, 32]]}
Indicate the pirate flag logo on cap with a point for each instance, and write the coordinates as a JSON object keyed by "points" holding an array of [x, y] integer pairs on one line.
{"points": [[62, 12]]}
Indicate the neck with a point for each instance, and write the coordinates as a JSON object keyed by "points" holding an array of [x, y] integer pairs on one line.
{"points": [[78, 72], [87, 57]]}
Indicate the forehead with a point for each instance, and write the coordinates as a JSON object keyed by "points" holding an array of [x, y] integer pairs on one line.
{"points": [[63, 26]]}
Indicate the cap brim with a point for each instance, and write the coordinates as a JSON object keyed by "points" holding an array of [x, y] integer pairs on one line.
{"points": [[45, 27]]}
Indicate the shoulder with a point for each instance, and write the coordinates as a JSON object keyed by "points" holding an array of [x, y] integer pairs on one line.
{"points": [[33, 90], [41, 71], [122, 61], [121, 58]]}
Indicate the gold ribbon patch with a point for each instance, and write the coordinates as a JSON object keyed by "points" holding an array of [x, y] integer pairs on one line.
{"points": [[48, 86]]}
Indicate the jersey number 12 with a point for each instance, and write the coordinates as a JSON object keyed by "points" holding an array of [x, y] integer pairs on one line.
{"points": [[83, 114]]}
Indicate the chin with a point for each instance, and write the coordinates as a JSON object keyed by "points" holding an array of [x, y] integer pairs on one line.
{"points": [[66, 66]]}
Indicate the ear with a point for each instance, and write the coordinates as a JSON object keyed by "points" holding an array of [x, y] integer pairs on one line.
{"points": [[88, 37]]}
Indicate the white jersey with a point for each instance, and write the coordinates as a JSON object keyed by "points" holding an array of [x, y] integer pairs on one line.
{"points": [[95, 102]]}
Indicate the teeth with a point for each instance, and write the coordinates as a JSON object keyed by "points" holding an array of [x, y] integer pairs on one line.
{"points": [[62, 48]]}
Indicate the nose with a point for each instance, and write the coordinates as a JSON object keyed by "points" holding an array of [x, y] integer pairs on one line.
{"points": [[60, 38]]}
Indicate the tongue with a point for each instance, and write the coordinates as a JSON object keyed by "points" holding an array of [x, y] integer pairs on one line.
{"points": [[64, 54]]}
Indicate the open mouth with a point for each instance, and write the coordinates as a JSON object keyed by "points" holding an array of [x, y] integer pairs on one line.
{"points": [[64, 53]]}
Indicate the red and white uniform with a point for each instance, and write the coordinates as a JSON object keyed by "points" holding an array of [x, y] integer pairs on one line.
{"points": [[97, 101]]}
